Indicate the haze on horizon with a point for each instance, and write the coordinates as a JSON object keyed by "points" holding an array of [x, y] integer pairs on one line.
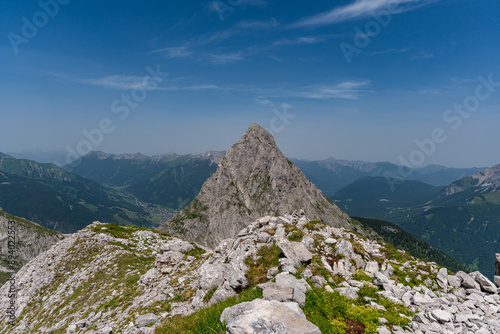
{"points": [[371, 80]]}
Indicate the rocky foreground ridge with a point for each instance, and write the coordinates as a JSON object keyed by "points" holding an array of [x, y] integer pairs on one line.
{"points": [[292, 274]]}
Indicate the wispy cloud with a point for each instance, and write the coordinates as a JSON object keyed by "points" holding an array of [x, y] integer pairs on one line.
{"points": [[175, 52], [429, 91], [226, 58], [193, 88], [460, 81], [359, 9], [251, 24], [122, 82], [348, 90], [298, 41], [389, 52], [422, 55]]}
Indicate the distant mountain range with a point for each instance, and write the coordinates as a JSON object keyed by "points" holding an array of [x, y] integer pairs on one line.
{"points": [[170, 180], [463, 218], [331, 175]]}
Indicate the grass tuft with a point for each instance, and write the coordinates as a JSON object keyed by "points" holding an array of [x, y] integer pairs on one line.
{"points": [[268, 257], [207, 320]]}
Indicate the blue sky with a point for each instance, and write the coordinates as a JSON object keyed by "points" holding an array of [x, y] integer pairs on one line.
{"points": [[191, 76]]}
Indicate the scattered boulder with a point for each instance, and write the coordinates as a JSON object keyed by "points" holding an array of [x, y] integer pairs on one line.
{"points": [[467, 281], [484, 282], [318, 281], [348, 292], [441, 316], [146, 320], [453, 281], [273, 291], [296, 252], [330, 241], [263, 316], [371, 268], [166, 261], [380, 279], [272, 272], [442, 278], [300, 287], [496, 279]]}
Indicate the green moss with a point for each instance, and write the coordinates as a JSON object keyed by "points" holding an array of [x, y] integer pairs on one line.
{"points": [[209, 294], [358, 248], [360, 275], [297, 235], [196, 252], [117, 231], [313, 225], [268, 257]]}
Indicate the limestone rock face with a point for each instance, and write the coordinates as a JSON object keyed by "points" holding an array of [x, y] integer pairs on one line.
{"points": [[253, 179], [31, 240]]}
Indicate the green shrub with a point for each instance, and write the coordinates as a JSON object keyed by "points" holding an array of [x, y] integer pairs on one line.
{"points": [[296, 236], [358, 248], [334, 313], [360, 275]]}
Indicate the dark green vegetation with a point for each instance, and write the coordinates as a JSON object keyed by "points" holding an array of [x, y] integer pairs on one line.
{"points": [[463, 219], [401, 239], [170, 181], [469, 232], [386, 199], [59, 200]]}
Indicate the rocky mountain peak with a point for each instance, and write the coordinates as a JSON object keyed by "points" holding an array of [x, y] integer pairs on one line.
{"points": [[253, 179], [486, 180], [489, 177]]}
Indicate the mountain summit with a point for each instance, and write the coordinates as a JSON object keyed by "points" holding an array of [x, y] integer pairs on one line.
{"points": [[253, 179]]}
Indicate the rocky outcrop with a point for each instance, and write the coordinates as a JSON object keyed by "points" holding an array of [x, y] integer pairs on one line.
{"points": [[262, 316], [253, 179]]}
